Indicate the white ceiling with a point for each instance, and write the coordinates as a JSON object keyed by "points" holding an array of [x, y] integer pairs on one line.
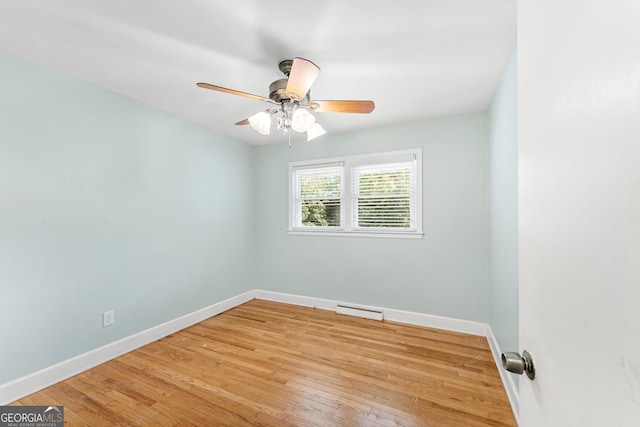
{"points": [[416, 59]]}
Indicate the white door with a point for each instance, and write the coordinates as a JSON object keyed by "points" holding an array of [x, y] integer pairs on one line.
{"points": [[579, 211]]}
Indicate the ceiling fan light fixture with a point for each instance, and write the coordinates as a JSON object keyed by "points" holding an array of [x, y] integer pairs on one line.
{"points": [[302, 120], [314, 132], [261, 122], [291, 102]]}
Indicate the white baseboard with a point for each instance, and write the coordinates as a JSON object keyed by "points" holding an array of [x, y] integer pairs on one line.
{"points": [[21, 387], [438, 322], [507, 380], [324, 304], [419, 319], [16, 389]]}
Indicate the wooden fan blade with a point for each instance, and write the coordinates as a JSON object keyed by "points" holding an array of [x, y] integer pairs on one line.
{"points": [[234, 92], [243, 122], [347, 106], [303, 74]]}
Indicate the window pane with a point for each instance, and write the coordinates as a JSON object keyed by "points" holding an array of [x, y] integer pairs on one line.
{"points": [[321, 213], [319, 197]]}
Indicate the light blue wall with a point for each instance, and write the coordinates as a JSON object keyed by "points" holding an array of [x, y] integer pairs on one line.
{"points": [[108, 204], [503, 196], [446, 273]]}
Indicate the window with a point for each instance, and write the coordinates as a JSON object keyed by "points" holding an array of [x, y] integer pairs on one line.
{"points": [[318, 196], [368, 195]]}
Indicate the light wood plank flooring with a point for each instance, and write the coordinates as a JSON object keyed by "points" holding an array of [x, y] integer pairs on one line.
{"points": [[272, 364]]}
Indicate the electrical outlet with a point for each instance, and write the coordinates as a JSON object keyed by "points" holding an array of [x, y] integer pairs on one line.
{"points": [[108, 318]]}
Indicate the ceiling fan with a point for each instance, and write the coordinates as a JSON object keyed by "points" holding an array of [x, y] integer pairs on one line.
{"points": [[291, 101]]}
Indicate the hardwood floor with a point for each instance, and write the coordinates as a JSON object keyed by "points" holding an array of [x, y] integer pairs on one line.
{"points": [[272, 364]]}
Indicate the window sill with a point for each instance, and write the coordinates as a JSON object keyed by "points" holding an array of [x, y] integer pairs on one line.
{"points": [[369, 234]]}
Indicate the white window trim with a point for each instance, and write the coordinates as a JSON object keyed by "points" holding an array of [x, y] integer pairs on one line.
{"points": [[349, 161]]}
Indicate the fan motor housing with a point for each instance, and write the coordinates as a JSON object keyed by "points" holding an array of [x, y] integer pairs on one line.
{"points": [[285, 66]]}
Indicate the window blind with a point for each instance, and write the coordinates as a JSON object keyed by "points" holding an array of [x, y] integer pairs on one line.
{"points": [[318, 196], [384, 196]]}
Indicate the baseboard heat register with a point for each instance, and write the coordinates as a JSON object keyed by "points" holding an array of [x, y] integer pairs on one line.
{"points": [[367, 313]]}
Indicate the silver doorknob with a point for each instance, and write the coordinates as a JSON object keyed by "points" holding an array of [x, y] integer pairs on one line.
{"points": [[513, 362]]}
